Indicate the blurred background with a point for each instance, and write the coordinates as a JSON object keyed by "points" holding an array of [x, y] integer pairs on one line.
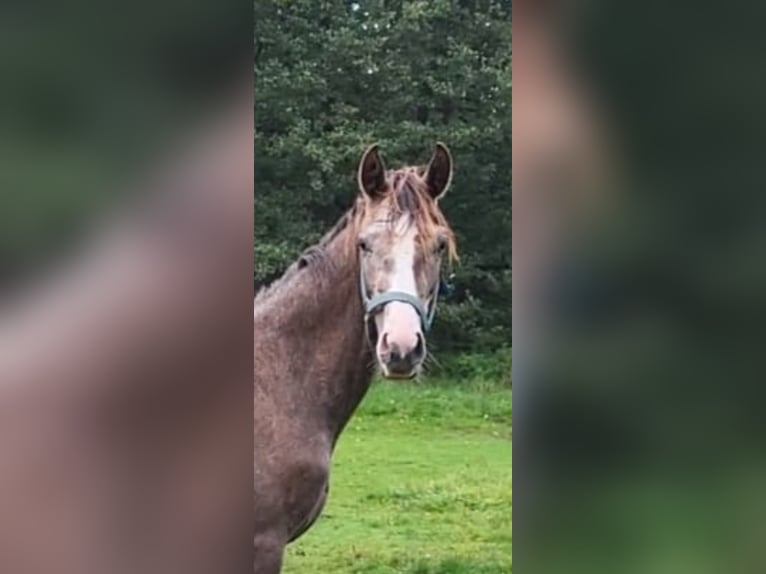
{"points": [[639, 288], [125, 294], [93, 96]]}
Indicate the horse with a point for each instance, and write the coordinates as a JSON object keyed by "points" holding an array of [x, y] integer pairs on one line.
{"points": [[363, 298]]}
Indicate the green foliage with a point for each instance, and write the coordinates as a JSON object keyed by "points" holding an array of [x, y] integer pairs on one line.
{"points": [[333, 76], [421, 484], [481, 322], [473, 368]]}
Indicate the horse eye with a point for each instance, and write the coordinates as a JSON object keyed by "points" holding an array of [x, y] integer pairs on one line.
{"points": [[364, 245], [441, 245]]}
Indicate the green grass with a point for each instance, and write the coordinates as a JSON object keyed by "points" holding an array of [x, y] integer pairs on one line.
{"points": [[420, 484]]}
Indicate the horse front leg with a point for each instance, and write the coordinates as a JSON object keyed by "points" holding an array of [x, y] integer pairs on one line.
{"points": [[269, 550]]}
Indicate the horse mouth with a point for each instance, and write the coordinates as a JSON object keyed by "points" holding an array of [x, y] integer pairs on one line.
{"points": [[399, 375]]}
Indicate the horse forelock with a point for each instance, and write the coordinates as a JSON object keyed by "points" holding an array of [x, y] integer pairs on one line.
{"points": [[408, 194]]}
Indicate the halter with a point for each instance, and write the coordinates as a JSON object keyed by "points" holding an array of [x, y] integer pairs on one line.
{"points": [[375, 303]]}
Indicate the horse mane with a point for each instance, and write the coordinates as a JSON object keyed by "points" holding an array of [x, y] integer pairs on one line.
{"points": [[406, 192]]}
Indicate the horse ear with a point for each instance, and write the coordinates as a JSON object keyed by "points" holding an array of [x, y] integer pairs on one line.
{"points": [[372, 172], [439, 172]]}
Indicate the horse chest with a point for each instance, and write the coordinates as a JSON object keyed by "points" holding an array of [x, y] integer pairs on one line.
{"points": [[313, 514], [306, 494]]}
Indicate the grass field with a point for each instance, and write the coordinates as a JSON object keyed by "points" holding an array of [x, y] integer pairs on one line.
{"points": [[420, 484]]}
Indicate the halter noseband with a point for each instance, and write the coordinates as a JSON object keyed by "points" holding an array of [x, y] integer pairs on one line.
{"points": [[376, 302]]}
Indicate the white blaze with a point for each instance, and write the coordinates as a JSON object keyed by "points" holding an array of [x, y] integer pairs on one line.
{"points": [[400, 321]]}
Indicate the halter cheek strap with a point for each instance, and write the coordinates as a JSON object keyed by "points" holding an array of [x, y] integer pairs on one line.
{"points": [[375, 303]]}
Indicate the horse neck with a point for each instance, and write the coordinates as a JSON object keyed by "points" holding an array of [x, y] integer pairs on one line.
{"points": [[330, 360]]}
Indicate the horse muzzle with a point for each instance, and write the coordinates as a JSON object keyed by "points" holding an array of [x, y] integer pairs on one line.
{"points": [[401, 357]]}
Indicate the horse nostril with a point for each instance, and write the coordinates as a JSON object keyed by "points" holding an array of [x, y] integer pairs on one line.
{"points": [[419, 350], [384, 343]]}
